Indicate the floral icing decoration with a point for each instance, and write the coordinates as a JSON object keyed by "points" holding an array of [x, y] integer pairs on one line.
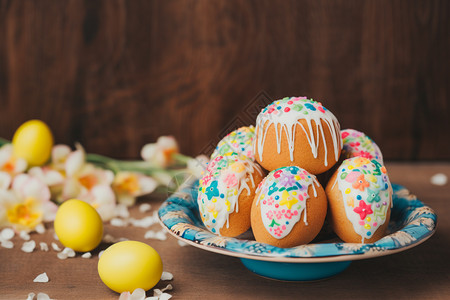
{"points": [[366, 192], [285, 114], [283, 199], [219, 190], [239, 141], [357, 143]]}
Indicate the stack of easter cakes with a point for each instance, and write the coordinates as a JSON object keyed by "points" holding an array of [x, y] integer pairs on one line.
{"points": [[295, 140]]}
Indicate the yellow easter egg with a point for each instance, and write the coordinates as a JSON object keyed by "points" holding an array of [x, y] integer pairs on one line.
{"points": [[78, 225], [128, 265], [33, 141]]}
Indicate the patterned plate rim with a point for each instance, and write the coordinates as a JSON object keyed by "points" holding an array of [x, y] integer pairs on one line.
{"points": [[412, 223]]}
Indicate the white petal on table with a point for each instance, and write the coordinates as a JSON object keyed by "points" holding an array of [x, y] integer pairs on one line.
{"points": [[144, 207], [41, 278], [157, 235], [40, 228], [165, 296], [121, 210], [43, 246], [24, 235], [31, 296], [7, 234], [169, 287], [55, 247], [7, 244], [182, 244], [439, 179], [29, 246], [166, 276], [138, 294], [116, 222], [43, 296]]}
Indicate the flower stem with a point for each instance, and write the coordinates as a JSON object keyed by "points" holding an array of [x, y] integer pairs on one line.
{"points": [[126, 165], [3, 141], [181, 158]]}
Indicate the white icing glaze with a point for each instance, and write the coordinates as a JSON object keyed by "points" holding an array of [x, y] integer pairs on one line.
{"points": [[226, 177], [282, 197], [366, 193], [285, 115]]}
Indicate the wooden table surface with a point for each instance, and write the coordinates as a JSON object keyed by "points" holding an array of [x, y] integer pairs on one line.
{"points": [[418, 273]]}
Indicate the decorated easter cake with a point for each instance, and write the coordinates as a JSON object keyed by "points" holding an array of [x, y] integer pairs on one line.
{"points": [[360, 199], [239, 141], [226, 194], [289, 208], [297, 131], [356, 143]]}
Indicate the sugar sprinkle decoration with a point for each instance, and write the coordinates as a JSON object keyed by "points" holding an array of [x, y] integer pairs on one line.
{"points": [[86, 255], [28, 246], [41, 278]]}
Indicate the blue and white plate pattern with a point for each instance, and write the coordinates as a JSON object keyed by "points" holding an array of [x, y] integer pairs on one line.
{"points": [[412, 222]]}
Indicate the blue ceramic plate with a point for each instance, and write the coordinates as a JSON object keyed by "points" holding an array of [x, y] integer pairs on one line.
{"points": [[411, 223]]}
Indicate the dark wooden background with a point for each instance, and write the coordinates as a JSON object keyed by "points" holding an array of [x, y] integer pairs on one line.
{"points": [[115, 75]]}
